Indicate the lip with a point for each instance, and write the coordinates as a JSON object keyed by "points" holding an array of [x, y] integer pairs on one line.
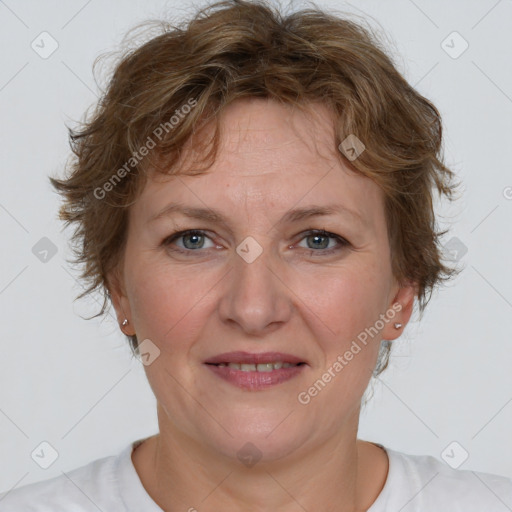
{"points": [[254, 358], [255, 380]]}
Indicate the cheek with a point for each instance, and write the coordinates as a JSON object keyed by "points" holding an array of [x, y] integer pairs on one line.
{"points": [[166, 303], [345, 308], [171, 303], [345, 301]]}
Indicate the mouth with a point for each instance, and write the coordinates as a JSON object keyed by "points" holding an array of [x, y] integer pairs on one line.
{"points": [[260, 367], [248, 358], [255, 371]]}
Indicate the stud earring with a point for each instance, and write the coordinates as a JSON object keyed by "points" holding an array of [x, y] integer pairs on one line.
{"points": [[125, 322], [397, 326]]}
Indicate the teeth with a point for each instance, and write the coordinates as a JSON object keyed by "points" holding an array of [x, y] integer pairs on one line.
{"points": [[261, 367], [265, 367]]}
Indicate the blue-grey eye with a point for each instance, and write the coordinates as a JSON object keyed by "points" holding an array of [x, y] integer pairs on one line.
{"points": [[191, 240], [320, 241]]}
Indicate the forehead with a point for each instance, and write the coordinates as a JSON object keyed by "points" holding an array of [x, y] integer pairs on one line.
{"points": [[258, 133], [270, 157], [257, 125]]}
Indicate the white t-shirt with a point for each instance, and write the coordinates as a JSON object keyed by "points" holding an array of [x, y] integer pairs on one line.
{"points": [[419, 483]]}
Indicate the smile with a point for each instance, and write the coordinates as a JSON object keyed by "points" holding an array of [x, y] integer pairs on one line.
{"points": [[261, 367], [256, 377]]}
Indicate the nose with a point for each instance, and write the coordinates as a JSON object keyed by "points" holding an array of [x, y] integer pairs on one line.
{"points": [[255, 297]]}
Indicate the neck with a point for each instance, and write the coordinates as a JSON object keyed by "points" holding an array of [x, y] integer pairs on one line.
{"points": [[341, 475]]}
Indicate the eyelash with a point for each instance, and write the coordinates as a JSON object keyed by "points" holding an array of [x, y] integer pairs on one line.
{"points": [[319, 232]]}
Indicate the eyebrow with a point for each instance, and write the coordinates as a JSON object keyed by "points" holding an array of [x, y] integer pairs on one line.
{"points": [[294, 215]]}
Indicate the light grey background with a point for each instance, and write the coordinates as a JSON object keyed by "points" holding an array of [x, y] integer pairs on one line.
{"points": [[73, 383]]}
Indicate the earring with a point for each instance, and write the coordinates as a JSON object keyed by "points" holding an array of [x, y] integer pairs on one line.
{"points": [[125, 322], [397, 326]]}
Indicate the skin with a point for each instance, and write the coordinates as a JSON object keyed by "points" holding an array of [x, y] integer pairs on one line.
{"points": [[291, 299]]}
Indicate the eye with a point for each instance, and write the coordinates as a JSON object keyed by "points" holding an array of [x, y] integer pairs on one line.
{"points": [[192, 239], [319, 241]]}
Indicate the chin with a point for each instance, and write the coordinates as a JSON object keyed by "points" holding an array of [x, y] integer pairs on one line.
{"points": [[265, 440]]}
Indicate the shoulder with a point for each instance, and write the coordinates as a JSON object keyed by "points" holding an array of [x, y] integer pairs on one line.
{"points": [[422, 482], [87, 488]]}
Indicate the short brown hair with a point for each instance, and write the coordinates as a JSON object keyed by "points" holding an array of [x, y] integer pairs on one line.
{"points": [[240, 49]]}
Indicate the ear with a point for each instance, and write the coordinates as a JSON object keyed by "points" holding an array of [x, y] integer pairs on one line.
{"points": [[119, 298], [404, 297]]}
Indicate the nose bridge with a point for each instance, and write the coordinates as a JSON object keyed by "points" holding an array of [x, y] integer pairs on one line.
{"points": [[254, 298]]}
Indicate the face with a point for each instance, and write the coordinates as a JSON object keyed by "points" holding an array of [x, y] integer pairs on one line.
{"points": [[257, 278]]}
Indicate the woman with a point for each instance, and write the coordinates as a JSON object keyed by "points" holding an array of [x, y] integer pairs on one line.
{"points": [[253, 195]]}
